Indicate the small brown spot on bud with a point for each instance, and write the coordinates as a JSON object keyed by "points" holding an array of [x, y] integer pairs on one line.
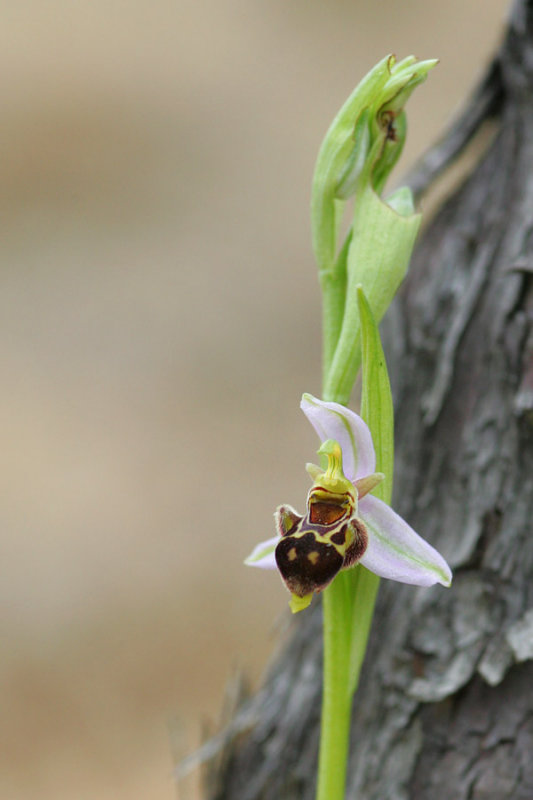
{"points": [[387, 120]]}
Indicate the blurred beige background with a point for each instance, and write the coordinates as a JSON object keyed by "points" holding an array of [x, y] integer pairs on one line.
{"points": [[159, 317]]}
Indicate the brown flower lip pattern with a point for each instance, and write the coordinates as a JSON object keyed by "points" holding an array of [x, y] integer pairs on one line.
{"points": [[313, 548]]}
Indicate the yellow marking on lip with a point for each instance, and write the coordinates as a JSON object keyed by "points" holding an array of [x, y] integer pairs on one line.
{"points": [[313, 556], [292, 555]]}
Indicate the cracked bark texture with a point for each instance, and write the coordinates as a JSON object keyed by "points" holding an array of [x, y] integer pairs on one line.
{"points": [[445, 705]]}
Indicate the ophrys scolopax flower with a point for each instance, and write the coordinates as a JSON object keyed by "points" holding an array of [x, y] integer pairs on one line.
{"points": [[344, 524]]}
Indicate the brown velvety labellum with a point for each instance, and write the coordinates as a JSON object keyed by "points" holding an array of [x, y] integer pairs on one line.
{"points": [[306, 564]]}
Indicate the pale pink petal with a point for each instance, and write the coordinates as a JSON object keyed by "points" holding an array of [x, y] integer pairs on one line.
{"points": [[395, 551], [263, 554], [333, 421]]}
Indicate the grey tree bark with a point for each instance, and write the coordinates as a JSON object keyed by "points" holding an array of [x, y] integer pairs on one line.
{"points": [[445, 706]]}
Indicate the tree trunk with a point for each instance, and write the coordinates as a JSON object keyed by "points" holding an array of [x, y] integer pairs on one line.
{"points": [[445, 706]]}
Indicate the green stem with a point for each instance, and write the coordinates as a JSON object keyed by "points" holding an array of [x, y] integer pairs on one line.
{"points": [[348, 602], [333, 298], [345, 643], [333, 285], [344, 651], [336, 697]]}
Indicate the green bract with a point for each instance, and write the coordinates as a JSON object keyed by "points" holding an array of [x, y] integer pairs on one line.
{"points": [[378, 257]]}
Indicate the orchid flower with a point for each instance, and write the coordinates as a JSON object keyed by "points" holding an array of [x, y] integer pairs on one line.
{"points": [[344, 524]]}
